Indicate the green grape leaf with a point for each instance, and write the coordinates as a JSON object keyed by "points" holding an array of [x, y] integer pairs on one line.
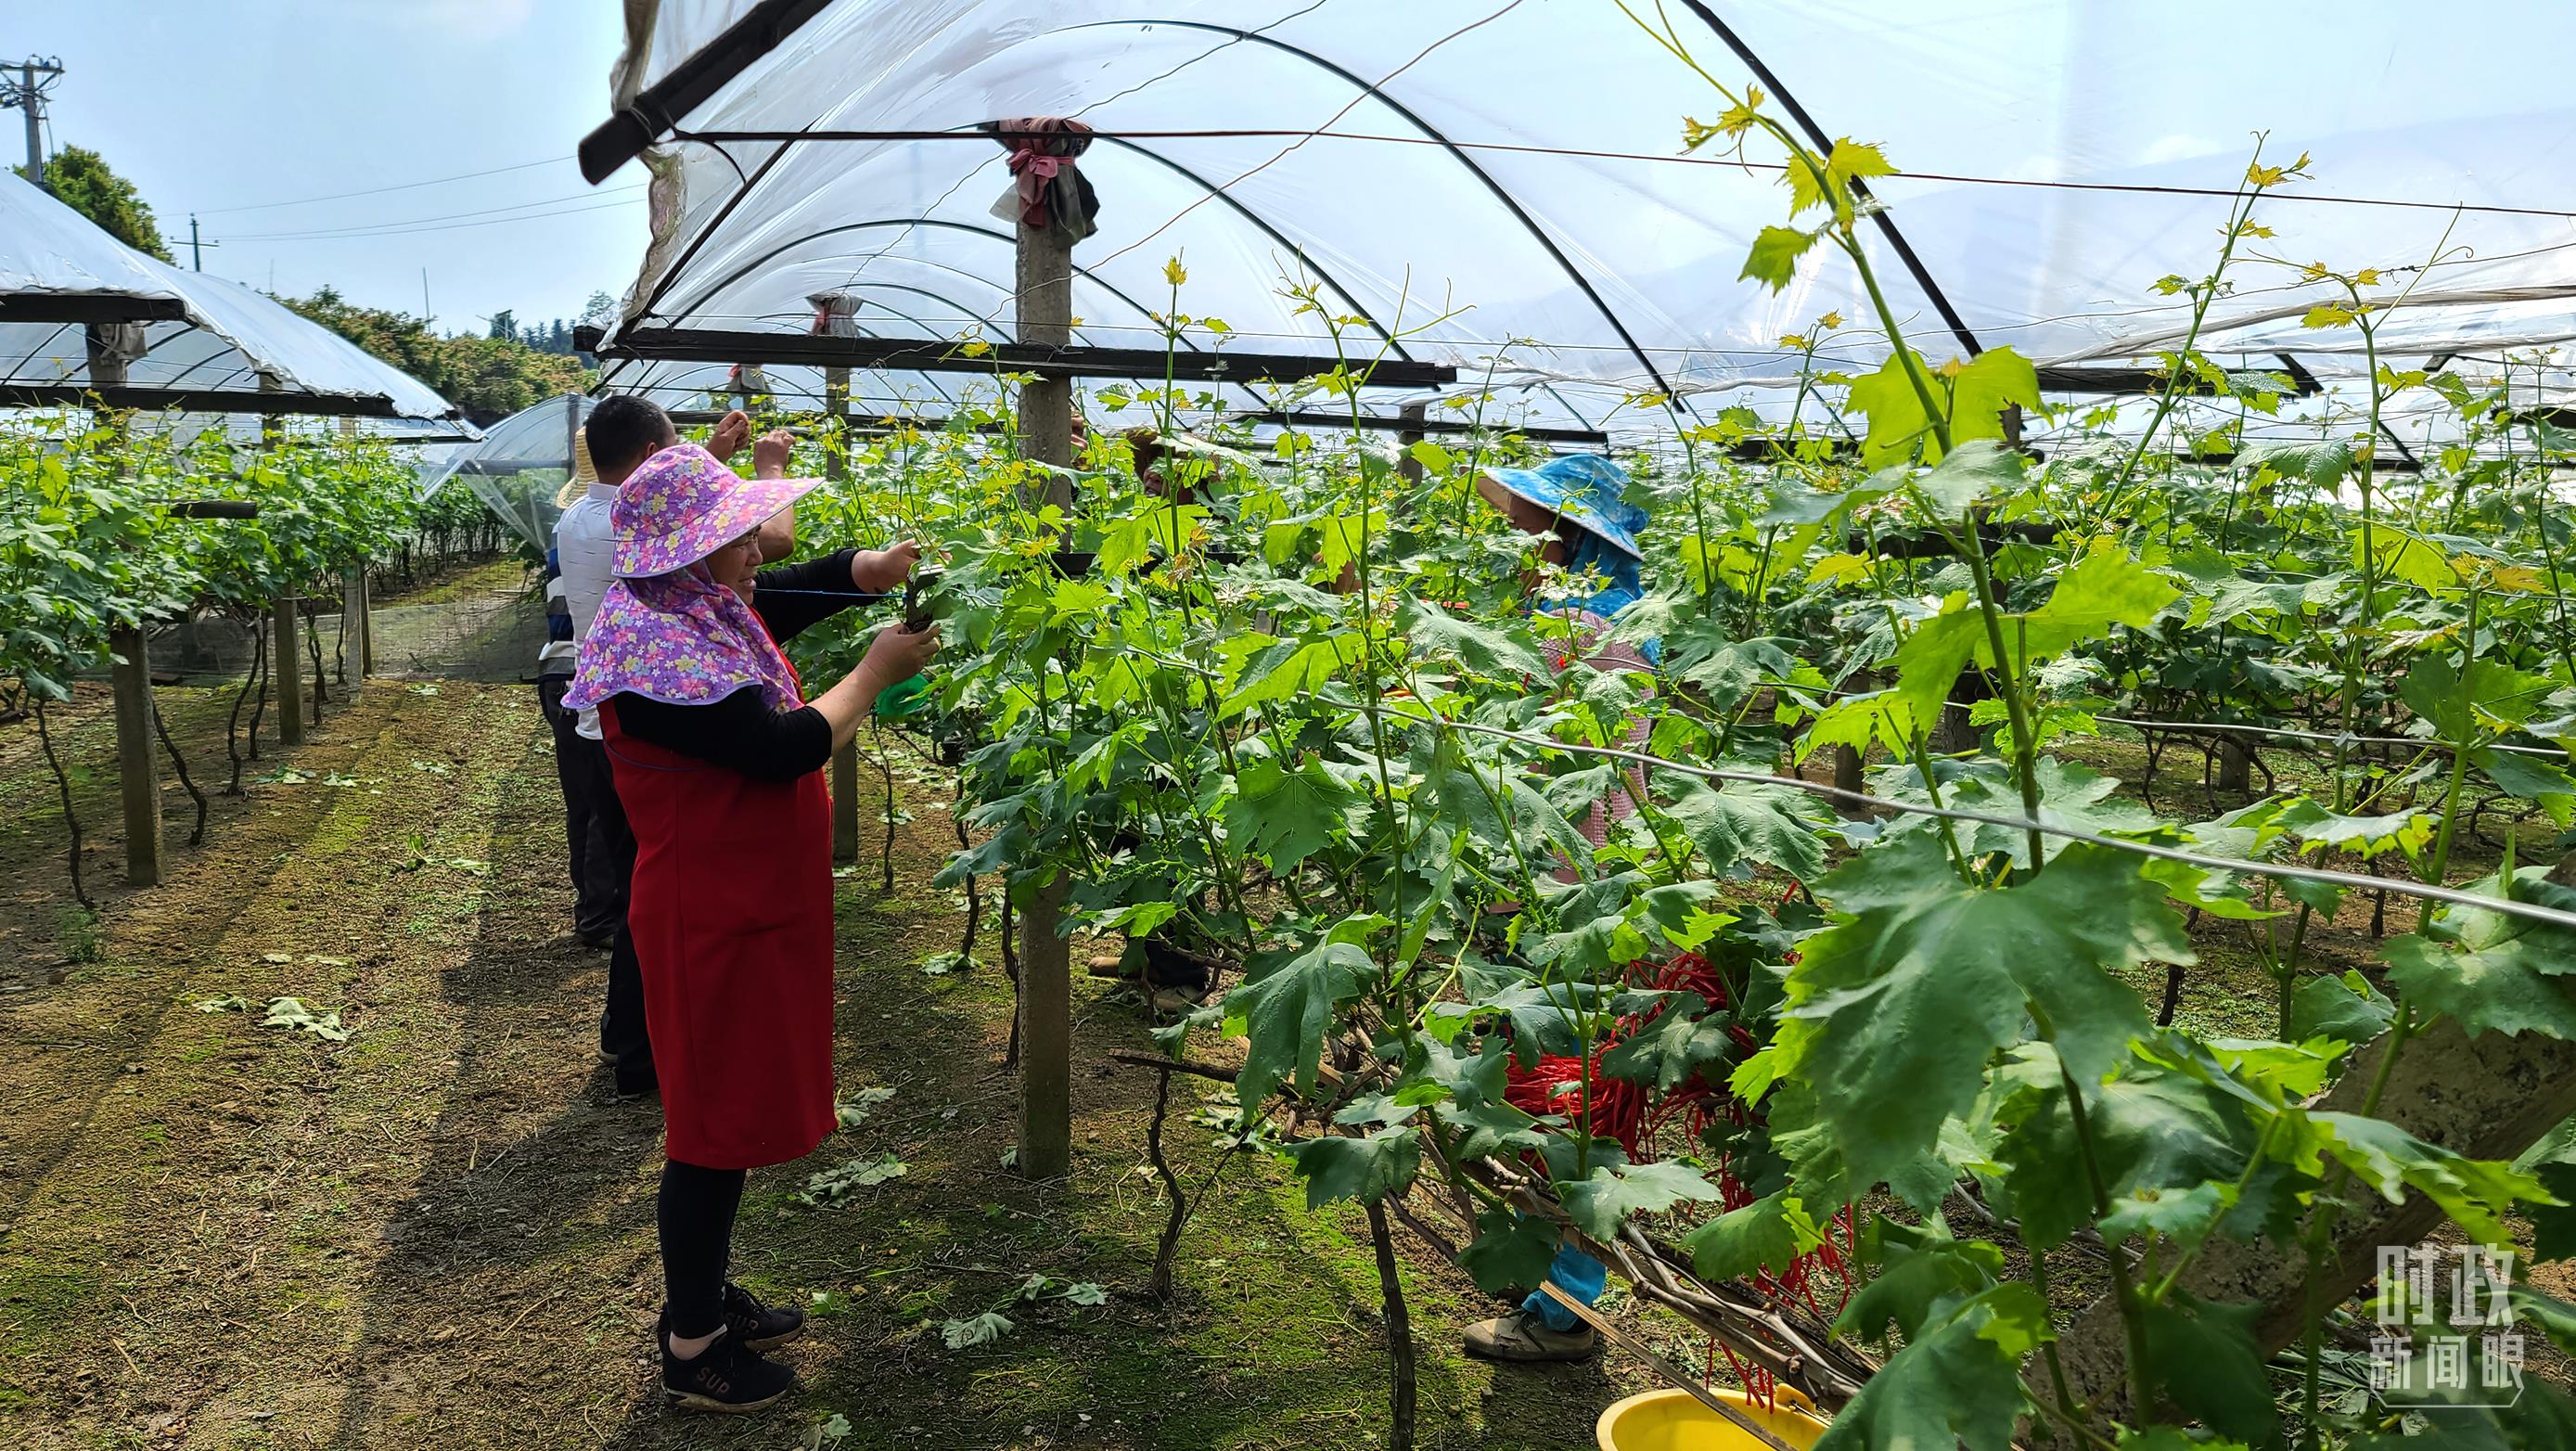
{"points": [[2315, 825], [1893, 1011], [1814, 1153], [2322, 464], [2496, 974], [1495, 1130], [1922, 1272], [1683, 1038], [1980, 391], [1539, 1013], [1887, 398], [1737, 827], [2553, 1317], [2475, 1193], [2153, 1132], [981, 1329], [1368, 1169], [1487, 650], [1774, 258], [2205, 1358], [1606, 1198], [2185, 1216], [2528, 778], [1511, 1250], [1298, 672], [2400, 555], [1281, 1012], [1284, 816], [2107, 587], [2553, 1162], [1957, 1383], [1767, 1234]]}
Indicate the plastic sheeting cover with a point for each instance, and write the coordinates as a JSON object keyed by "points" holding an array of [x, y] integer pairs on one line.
{"points": [[518, 467], [230, 337], [2040, 140]]}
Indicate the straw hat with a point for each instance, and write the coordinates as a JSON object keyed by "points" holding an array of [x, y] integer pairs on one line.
{"points": [[584, 473]]}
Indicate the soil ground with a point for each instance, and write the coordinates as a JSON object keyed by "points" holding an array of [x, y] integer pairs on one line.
{"points": [[440, 1232]]}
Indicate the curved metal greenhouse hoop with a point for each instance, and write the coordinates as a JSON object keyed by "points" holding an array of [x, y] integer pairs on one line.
{"points": [[1245, 211], [1816, 135], [1499, 192]]}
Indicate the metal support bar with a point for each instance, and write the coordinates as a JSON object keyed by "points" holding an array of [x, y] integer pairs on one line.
{"points": [[80, 307], [1059, 360], [200, 400], [687, 86]]}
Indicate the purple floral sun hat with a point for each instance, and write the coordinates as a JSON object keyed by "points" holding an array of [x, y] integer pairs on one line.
{"points": [[683, 504]]}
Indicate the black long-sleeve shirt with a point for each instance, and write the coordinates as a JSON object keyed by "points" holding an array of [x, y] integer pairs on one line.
{"points": [[740, 732]]}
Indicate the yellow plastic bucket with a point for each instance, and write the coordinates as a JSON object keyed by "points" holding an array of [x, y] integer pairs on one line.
{"points": [[1675, 1421]]}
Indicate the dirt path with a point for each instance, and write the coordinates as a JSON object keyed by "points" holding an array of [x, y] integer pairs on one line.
{"points": [[439, 1233]]}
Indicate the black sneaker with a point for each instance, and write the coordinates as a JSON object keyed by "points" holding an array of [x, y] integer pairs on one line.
{"points": [[728, 1377], [755, 1324]]}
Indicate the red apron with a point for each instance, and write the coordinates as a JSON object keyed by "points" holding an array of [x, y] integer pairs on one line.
{"points": [[731, 910]]}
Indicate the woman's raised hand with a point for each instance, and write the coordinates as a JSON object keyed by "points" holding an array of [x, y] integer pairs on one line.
{"points": [[880, 571], [731, 433], [899, 654]]}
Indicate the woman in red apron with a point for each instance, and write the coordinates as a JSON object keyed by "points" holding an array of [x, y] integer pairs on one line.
{"points": [[719, 758]]}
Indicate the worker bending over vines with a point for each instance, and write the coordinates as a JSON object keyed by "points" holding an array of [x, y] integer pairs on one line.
{"points": [[1574, 504]]}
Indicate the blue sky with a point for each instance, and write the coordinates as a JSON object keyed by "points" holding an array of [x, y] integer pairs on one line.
{"points": [[223, 106]]}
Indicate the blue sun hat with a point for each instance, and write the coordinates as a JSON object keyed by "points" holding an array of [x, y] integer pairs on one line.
{"points": [[1584, 489]]}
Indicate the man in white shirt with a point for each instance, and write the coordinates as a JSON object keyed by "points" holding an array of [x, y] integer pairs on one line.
{"points": [[621, 434]]}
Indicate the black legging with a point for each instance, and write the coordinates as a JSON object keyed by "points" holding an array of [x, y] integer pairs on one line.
{"points": [[695, 1213]]}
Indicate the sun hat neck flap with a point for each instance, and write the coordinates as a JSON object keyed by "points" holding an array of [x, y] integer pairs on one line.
{"points": [[683, 504], [584, 472]]}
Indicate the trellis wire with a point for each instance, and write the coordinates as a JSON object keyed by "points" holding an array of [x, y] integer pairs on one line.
{"points": [[2222, 727], [1328, 133], [2279, 871], [2350, 881]]}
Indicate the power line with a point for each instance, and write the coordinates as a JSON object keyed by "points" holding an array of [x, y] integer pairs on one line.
{"points": [[381, 190], [363, 228], [405, 231]]}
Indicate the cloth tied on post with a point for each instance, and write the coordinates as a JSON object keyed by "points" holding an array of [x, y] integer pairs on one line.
{"points": [[1048, 192]]}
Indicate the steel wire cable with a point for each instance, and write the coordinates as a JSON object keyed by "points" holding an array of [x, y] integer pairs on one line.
{"points": [[2279, 871], [712, 137], [2222, 727]]}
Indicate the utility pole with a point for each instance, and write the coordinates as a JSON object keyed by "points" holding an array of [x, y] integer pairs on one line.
{"points": [[196, 245], [27, 93]]}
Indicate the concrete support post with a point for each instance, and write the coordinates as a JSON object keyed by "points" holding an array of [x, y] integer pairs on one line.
{"points": [[1045, 318], [138, 772]]}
